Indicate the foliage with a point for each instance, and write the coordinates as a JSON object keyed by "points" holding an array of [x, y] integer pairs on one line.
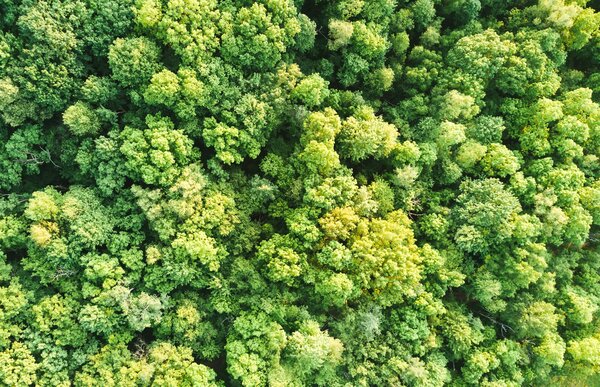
{"points": [[299, 193]]}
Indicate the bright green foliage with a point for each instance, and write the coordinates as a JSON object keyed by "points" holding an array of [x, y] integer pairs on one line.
{"points": [[499, 161], [50, 45], [62, 228], [81, 119], [18, 366], [142, 311], [154, 155], [163, 88], [311, 91], [259, 34], [133, 60], [365, 135], [485, 215], [254, 349], [311, 355], [260, 352], [297, 193], [188, 324], [160, 365], [487, 129], [386, 267]]}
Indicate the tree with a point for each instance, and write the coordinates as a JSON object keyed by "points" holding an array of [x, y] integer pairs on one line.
{"points": [[366, 135], [312, 355], [18, 366], [154, 155], [484, 215], [312, 90], [81, 119], [133, 61], [259, 35], [299, 193], [254, 348], [161, 364]]}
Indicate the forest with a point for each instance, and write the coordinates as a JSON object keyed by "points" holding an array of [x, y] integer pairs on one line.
{"points": [[290, 193]]}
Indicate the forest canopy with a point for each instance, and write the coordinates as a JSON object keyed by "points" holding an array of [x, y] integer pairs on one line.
{"points": [[299, 193]]}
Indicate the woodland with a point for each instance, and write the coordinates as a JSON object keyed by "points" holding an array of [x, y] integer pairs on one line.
{"points": [[291, 193]]}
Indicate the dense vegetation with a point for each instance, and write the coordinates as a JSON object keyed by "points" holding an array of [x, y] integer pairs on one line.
{"points": [[299, 192]]}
